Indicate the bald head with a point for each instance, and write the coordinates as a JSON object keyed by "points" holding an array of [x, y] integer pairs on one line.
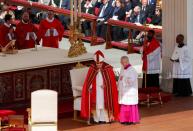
{"points": [[124, 61]]}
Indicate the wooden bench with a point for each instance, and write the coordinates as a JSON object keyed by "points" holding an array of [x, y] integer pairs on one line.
{"points": [[131, 26]]}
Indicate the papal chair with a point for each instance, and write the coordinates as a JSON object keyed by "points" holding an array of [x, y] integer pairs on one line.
{"points": [[78, 76], [44, 110]]}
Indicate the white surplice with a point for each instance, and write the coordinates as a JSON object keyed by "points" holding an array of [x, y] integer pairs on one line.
{"points": [[154, 62], [183, 68], [128, 87], [100, 114]]}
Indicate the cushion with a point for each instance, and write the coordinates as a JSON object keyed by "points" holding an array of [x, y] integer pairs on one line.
{"points": [[16, 129], [4, 113]]}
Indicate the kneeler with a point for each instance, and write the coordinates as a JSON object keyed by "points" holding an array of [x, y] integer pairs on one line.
{"points": [[150, 95], [15, 129], [4, 114]]}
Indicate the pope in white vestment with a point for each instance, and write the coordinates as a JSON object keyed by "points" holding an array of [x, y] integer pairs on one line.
{"points": [[100, 114], [182, 68]]}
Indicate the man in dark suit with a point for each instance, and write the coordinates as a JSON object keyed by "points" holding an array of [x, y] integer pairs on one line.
{"points": [[147, 9], [106, 12], [65, 4], [128, 5], [135, 3], [87, 8], [152, 2], [137, 16]]}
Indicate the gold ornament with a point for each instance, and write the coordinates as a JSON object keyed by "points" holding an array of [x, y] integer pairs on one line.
{"points": [[77, 47]]}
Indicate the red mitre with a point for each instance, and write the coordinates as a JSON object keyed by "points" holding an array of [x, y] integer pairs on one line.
{"points": [[99, 56]]}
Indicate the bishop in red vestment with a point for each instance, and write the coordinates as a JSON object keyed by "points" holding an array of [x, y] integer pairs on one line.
{"points": [[6, 31], [151, 60], [51, 31], [26, 33], [100, 94]]}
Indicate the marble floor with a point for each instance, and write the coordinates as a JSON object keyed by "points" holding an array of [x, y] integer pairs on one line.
{"points": [[176, 115]]}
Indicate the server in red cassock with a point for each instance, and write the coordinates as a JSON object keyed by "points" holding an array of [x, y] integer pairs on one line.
{"points": [[50, 31], [26, 33], [6, 31], [100, 94], [151, 61]]}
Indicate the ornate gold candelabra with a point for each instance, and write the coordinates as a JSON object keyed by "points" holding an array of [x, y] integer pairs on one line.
{"points": [[77, 47]]}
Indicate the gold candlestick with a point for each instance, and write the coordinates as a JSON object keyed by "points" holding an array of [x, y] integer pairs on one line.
{"points": [[77, 47], [71, 12], [75, 10]]}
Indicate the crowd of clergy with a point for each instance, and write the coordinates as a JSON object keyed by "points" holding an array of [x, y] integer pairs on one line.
{"points": [[103, 99], [134, 11]]}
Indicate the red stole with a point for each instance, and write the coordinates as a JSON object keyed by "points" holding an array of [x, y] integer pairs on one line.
{"points": [[4, 40], [21, 33], [51, 41], [110, 91]]}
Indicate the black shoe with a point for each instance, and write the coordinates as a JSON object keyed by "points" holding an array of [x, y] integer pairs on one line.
{"points": [[102, 122]]}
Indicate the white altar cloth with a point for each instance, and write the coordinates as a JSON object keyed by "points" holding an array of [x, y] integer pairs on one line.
{"points": [[44, 57]]}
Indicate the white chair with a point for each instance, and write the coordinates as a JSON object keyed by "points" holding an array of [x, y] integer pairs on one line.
{"points": [[44, 108], [78, 77], [44, 128]]}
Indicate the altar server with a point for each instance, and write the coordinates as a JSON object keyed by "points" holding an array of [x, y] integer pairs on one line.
{"points": [[128, 93], [50, 31], [182, 68], [26, 33], [100, 95], [151, 61], [6, 34]]}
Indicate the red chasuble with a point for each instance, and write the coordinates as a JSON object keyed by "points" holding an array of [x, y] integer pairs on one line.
{"points": [[48, 39], [4, 39], [21, 32], [110, 92], [151, 57]]}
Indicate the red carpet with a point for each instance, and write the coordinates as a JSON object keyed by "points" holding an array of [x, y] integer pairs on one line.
{"points": [[66, 107], [166, 97], [87, 39], [124, 46]]}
